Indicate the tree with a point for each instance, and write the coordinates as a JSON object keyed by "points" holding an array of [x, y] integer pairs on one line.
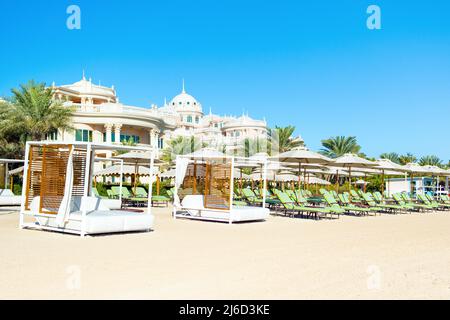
{"points": [[179, 146], [256, 145], [338, 146], [394, 157], [282, 139], [430, 160], [33, 113], [407, 158]]}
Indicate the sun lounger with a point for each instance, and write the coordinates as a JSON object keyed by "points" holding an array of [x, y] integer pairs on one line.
{"points": [[291, 208], [350, 208]]}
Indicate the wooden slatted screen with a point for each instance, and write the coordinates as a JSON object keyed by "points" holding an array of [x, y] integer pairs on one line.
{"points": [[218, 184], [47, 175]]}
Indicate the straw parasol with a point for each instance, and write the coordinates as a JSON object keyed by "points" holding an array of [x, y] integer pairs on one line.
{"points": [[138, 158], [350, 160], [302, 156], [413, 168], [386, 164]]}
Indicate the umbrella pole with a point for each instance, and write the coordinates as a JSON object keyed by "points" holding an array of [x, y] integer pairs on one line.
{"points": [[157, 185], [304, 179], [194, 188], [365, 178], [350, 183], [299, 174], [337, 181], [382, 181], [240, 182]]}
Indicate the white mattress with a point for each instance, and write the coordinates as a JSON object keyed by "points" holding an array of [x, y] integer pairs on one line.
{"points": [[99, 219], [193, 205], [10, 200], [104, 222]]}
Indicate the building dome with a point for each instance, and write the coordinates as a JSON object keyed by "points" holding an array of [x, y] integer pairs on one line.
{"points": [[185, 102]]}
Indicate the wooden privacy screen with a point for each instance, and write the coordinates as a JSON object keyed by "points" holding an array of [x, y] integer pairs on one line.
{"points": [[47, 175], [217, 184]]}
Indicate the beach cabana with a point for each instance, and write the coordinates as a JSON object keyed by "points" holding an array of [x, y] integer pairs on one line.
{"points": [[7, 197], [211, 198], [57, 192]]}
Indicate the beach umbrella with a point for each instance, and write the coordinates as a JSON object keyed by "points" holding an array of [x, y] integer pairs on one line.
{"points": [[302, 156], [128, 170], [138, 158], [437, 172], [414, 168], [350, 160], [387, 165]]}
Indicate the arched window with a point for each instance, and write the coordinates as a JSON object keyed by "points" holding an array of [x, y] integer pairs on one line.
{"points": [[189, 119]]}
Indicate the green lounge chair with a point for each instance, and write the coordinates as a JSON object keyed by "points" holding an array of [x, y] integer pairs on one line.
{"points": [[355, 196], [251, 197], [350, 209], [345, 199], [96, 194], [141, 193], [127, 197], [291, 207], [444, 198], [408, 206], [368, 198], [428, 200], [420, 206]]}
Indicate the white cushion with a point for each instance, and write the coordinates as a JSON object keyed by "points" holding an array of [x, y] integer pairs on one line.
{"points": [[6, 193]]}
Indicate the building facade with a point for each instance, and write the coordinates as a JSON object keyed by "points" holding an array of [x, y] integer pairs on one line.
{"points": [[100, 117]]}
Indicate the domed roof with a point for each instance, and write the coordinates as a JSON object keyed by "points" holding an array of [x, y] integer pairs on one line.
{"points": [[185, 102]]}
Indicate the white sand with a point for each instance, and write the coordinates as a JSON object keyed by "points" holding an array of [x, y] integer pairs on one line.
{"points": [[403, 256]]}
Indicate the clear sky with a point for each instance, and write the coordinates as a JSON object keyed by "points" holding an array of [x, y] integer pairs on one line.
{"points": [[312, 64]]}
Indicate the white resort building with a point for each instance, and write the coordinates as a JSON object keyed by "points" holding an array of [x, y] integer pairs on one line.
{"points": [[100, 117]]}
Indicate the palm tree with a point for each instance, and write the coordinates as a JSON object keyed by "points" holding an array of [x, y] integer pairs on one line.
{"points": [[35, 112], [394, 157], [337, 146], [256, 145], [180, 146], [11, 150], [407, 158], [282, 139], [430, 161]]}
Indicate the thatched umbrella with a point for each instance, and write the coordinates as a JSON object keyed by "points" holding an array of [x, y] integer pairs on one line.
{"points": [[302, 156], [413, 168], [350, 160]]}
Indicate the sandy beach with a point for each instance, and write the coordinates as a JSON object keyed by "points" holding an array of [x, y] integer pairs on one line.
{"points": [[383, 257]]}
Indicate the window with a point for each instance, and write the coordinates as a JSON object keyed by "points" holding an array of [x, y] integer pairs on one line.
{"points": [[113, 137], [52, 136], [189, 119], [238, 133], [188, 102], [132, 138], [197, 119], [216, 125], [83, 135], [161, 143]]}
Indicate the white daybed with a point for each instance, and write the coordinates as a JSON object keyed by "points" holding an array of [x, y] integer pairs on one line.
{"points": [[193, 207], [99, 218], [57, 192], [214, 201], [7, 198]]}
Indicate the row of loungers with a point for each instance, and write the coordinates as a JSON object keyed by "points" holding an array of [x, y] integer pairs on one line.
{"points": [[331, 204], [139, 198]]}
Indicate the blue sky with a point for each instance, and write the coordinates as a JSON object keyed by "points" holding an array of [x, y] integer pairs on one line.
{"points": [[312, 64]]}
